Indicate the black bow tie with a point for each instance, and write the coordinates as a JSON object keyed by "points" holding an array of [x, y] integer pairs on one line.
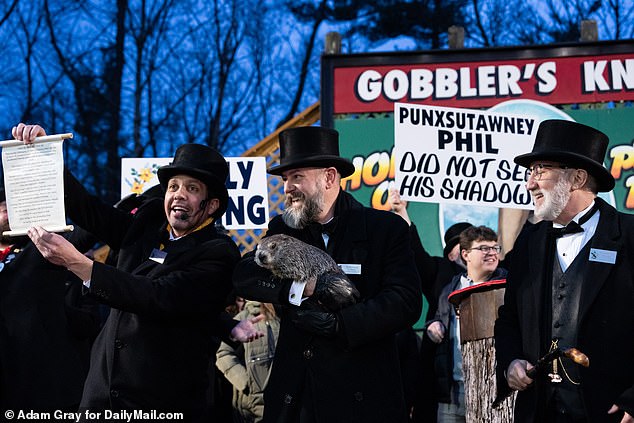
{"points": [[571, 228], [574, 227]]}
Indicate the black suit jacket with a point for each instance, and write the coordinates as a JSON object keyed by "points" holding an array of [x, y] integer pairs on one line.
{"points": [[354, 377], [154, 349], [605, 320]]}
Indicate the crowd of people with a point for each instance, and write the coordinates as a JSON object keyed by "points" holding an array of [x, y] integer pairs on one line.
{"points": [[288, 356]]}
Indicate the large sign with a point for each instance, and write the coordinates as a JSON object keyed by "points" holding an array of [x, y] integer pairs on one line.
{"points": [[461, 156], [591, 83], [555, 80], [248, 206]]}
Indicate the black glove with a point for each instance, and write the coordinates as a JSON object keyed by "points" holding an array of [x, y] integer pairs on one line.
{"points": [[320, 323]]}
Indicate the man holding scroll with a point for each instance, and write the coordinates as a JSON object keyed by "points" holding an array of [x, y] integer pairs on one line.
{"points": [[167, 291]]}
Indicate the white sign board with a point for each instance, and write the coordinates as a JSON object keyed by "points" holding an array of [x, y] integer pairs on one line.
{"points": [[247, 185], [248, 194], [461, 156]]}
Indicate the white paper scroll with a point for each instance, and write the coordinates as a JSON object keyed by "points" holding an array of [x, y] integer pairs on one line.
{"points": [[34, 184]]}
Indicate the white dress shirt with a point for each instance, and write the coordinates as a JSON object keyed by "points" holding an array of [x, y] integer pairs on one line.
{"points": [[568, 246]]}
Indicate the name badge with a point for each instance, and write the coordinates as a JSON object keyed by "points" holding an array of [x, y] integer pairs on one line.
{"points": [[602, 256], [350, 269], [158, 256]]}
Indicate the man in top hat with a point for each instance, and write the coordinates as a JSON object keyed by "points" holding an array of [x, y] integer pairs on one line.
{"points": [[335, 366], [167, 291], [570, 284]]}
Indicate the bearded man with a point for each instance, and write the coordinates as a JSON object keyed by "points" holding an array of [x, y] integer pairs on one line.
{"points": [[335, 366], [570, 284]]}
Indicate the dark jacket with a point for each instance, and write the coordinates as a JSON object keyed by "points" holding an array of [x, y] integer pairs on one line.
{"points": [[154, 349], [434, 271], [45, 331], [355, 376], [444, 360], [606, 319]]}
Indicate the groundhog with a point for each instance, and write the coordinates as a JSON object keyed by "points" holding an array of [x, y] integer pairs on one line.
{"points": [[289, 258]]}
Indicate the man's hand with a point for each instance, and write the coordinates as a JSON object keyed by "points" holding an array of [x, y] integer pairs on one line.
{"points": [[245, 331], [398, 205], [320, 323], [309, 288], [627, 418], [56, 249], [436, 332], [27, 133], [516, 375]]}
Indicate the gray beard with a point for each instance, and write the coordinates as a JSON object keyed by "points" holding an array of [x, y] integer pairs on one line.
{"points": [[298, 217], [554, 201]]}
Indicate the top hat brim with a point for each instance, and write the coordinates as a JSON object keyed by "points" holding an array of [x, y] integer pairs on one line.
{"points": [[450, 245], [215, 187], [605, 181], [344, 166]]}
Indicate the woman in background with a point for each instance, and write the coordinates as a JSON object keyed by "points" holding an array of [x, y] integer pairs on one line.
{"points": [[247, 366]]}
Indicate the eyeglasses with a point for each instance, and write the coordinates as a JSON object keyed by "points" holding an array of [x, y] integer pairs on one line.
{"points": [[537, 170], [486, 249]]}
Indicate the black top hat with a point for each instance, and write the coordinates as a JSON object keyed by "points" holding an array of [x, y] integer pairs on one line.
{"points": [[452, 236], [572, 144], [3, 197], [203, 163], [311, 146]]}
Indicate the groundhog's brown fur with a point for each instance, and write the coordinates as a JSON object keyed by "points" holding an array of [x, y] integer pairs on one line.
{"points": [[289, 258]]}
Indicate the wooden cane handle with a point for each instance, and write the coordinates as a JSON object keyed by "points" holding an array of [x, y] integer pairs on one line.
{"points": [[577, 356]]}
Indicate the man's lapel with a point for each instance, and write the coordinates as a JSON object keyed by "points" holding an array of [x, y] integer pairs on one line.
{"points": [[350, 240], [606, 238], [172, 251]]}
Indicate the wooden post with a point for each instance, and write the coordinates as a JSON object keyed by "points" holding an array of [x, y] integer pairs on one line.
{"points": [[589, 30], [478, 307], [478, 368], [333, 43], [456, 36]]}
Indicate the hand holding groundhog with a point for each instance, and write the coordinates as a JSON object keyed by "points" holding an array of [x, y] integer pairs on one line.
{"points": [[289, 258]]}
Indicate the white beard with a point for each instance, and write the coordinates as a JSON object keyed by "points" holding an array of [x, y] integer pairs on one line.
{"points": [[554, 201]]}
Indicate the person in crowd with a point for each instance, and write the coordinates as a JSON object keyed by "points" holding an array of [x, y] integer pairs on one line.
{"points": [[46, 327], [479, 250], [220, 393], [570, 284], [335, 366], [435, 272], [167, 292], [247, 367]]}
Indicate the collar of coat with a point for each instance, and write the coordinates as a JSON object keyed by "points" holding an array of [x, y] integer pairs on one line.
{"points": [[171, 234]]}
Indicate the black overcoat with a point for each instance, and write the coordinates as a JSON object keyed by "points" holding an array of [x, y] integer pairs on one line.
{"points": [[355, 377], [45, 334], [154, 349], [605, 320]]}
